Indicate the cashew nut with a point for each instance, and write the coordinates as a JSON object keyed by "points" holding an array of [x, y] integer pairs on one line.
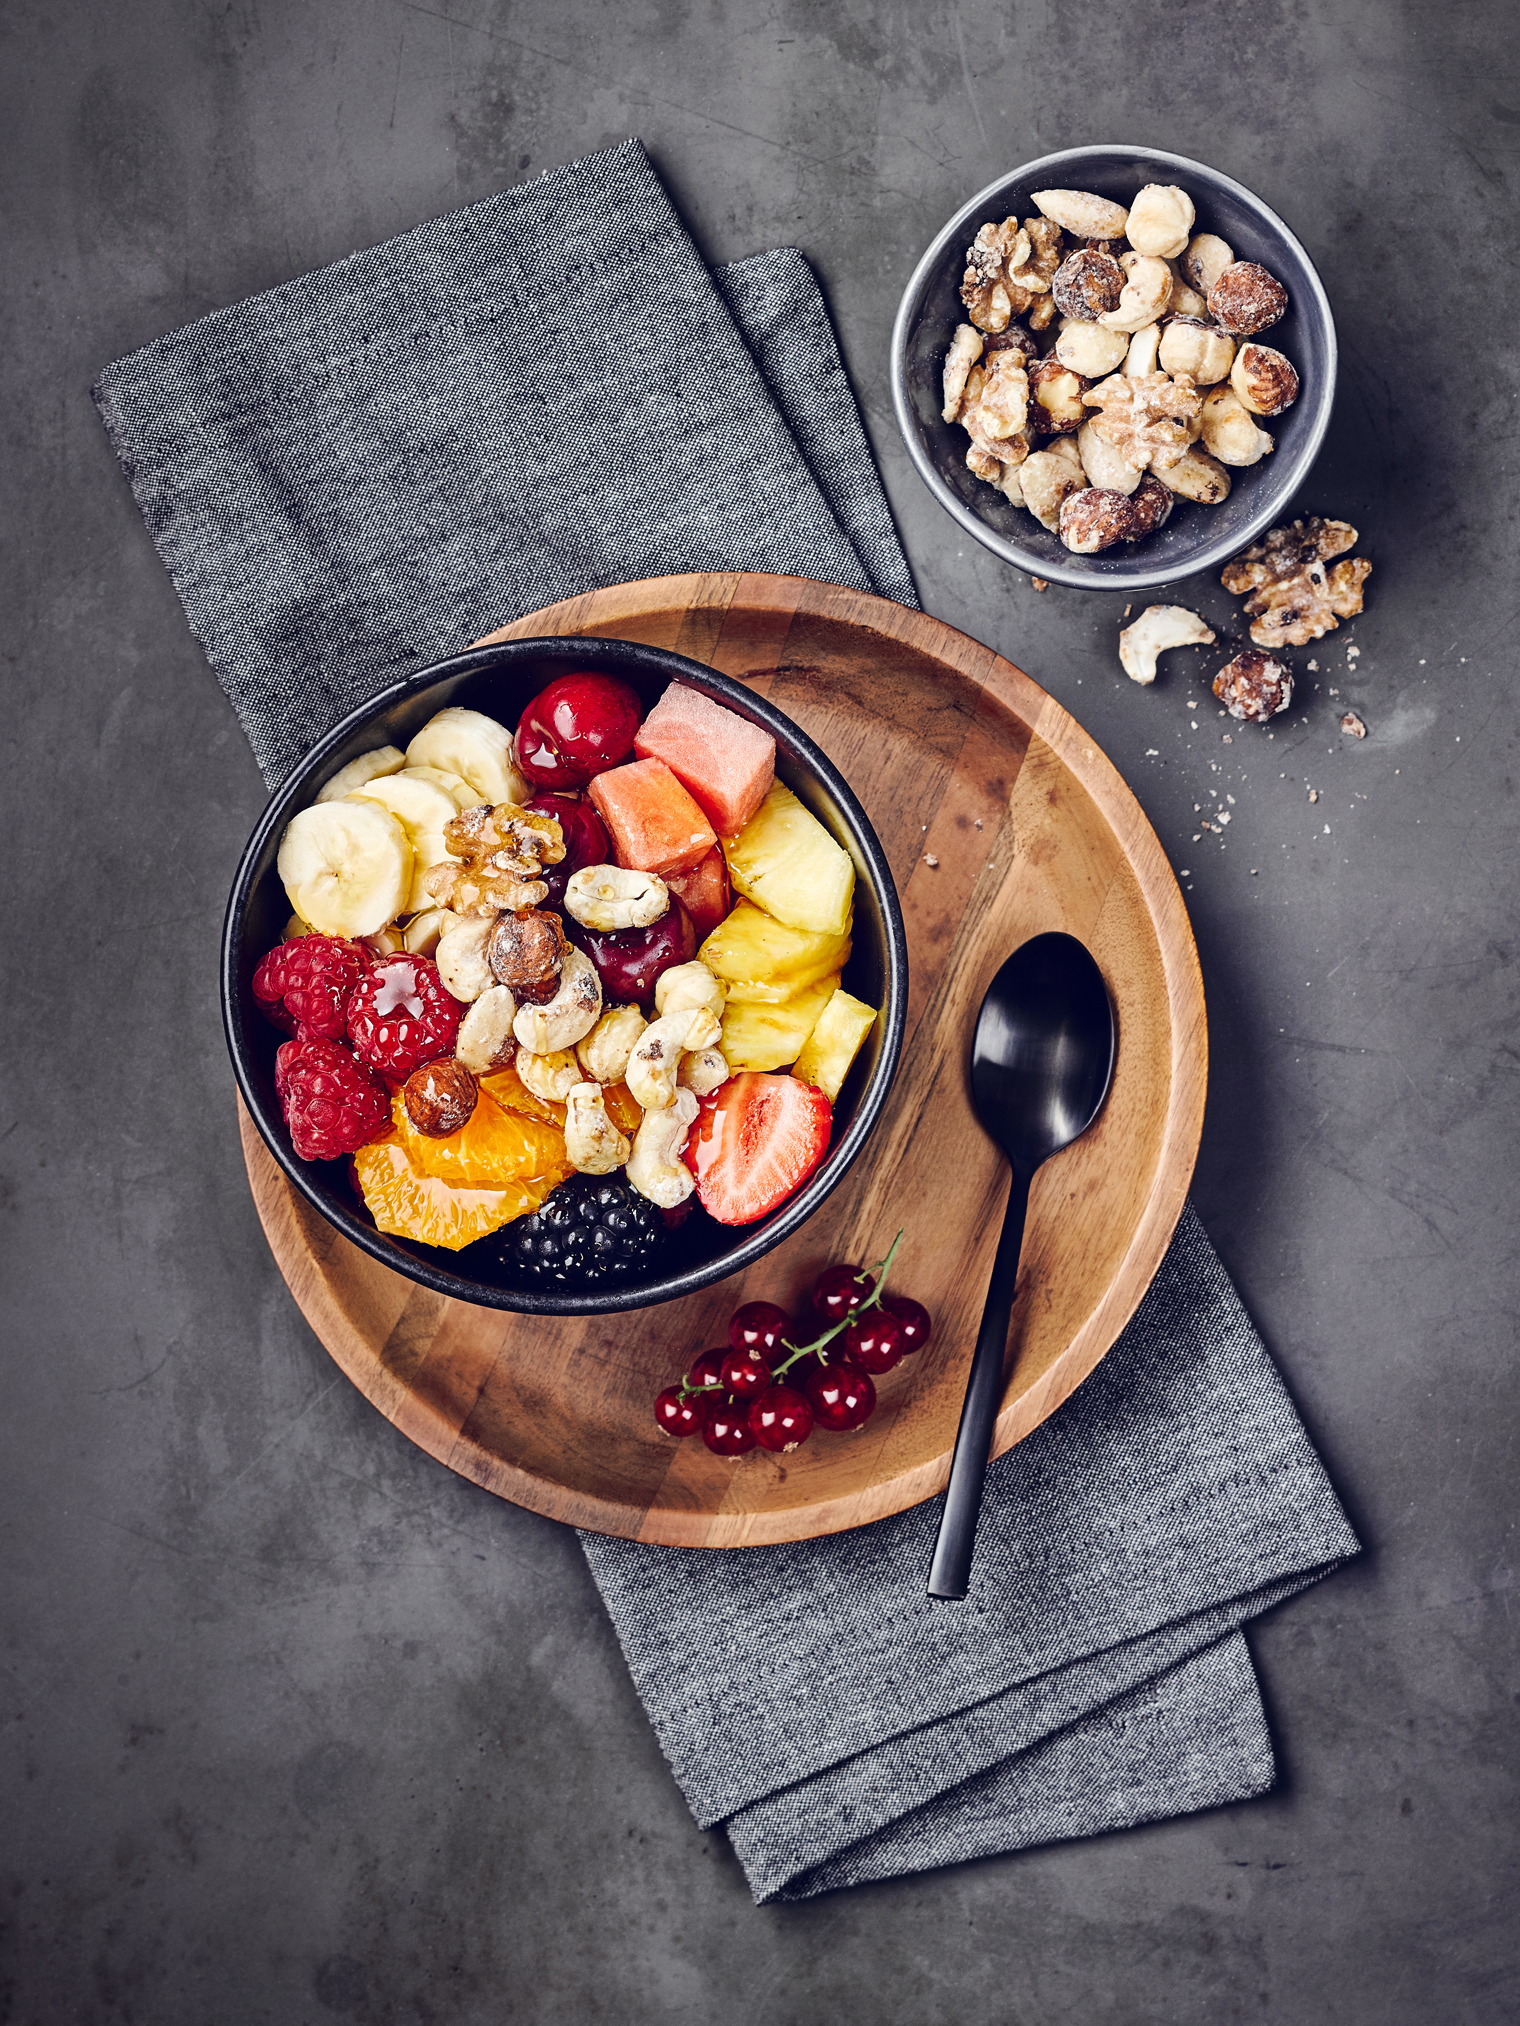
{"points": [[657, 1054], [1229, 429], [965, 350], [1158, 628], [684, 987], [551, 1077], [485, 1040], [605, 1050], [569, 1016], [593, 1144], [1147, 292], [655, 1168], [1103, 464], [702, 1070], [1197, 475], [608, 897], [1143, 347], [461, 957]]}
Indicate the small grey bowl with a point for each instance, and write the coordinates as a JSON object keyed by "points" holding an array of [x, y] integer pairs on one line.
{"points": [[1195, 537]]}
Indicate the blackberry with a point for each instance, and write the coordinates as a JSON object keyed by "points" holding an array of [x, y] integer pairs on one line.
{"points": [[593, 1230]]}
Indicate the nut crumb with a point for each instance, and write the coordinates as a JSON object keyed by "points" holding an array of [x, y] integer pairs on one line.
{"points": [[978, 822], [1039, 583], [1228, 739], [1353, 726], [1352, 653], [931, 861], [1314, 668], [1314, 794]]}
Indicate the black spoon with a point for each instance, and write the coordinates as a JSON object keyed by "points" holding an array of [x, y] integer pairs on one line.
{"points": [[1041, 1061]]}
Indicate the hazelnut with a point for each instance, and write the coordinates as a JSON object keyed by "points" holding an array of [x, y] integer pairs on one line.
{"points": [[1229, 432], [1016, 337], [1265, 381], [1198, 476], [1089, 349], [1056, 397], [1198, 349], [1087, 284], [1144, 349], [1160, 220], [1082, 214], [1246, 299], [1095, 519], [1185, 301], [1204, 259], [1254, 685], [1047, 479], [1151, 504], [1114, 247], [1147, 291], [440, 1097], [526, 950]]}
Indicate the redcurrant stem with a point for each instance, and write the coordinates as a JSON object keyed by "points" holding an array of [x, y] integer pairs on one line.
{"points": [[883, 1268]]}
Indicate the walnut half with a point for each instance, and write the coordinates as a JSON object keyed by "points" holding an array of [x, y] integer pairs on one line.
{"points": [[1293, 598]]}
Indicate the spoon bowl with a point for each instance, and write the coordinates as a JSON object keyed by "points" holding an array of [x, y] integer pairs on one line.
{"points": [[1042, 1059]]}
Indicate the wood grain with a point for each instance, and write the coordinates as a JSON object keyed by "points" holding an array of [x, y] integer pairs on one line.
{"points": [[959, 757]]}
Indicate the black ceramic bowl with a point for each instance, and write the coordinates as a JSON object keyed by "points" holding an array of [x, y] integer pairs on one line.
{"points": [[500, 681], [1195, 537]]}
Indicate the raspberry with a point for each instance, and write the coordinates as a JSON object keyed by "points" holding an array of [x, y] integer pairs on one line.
{"points": [[332, 1103], [305, 986], [401, 1016]]}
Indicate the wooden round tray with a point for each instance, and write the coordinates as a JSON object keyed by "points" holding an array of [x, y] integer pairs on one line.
{"points": [[1001, 819]]}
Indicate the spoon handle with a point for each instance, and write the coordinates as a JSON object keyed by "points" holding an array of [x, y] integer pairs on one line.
{"points": [[950, 1571]]}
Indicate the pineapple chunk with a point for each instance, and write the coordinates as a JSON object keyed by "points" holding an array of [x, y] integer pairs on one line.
{"points": [[769, 1037], [763, 961], [834, 1043], [787, 863]]}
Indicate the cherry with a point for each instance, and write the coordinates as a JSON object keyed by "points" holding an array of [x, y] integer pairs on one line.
{"points": [[726, 1430], [873, 1341], [780, 1419], [585, 841], [912, 1319], [839, 1290], [676, 1413], [760, 1326], [708, 1369], [746, 1374], [842, 1396], [627, 961], [579, 726]]}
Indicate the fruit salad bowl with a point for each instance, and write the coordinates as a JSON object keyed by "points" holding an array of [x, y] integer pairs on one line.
{"points": [[499, 681]]}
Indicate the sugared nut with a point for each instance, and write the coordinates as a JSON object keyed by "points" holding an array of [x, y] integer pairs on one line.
{"points": [[526, 950], [1148, 420], [1197, 476], [1158, 628], [1103, 464], [1041, 313], [1017, 337], [1293, 598], [1147, 291], [965, 350], [461, 957], [1246, 299], [1353, 726], [593, 1144], [983, 465], [1047, 479], [1116, 247], [604, 1052], [1150, 504], [1265, 381], [685, 987], [440, 1097], [1204, 259], [485, 1040], [1143, 351], [1082, 214], [1160, 220], [983, 290], [1094, 519], [1089, 349], [551, 1077], [569, 1016], [1045, 248], [1010, 483], [1186, 301], [1066, 446], [424, 930], [1004, 404], [1199, 349], [1086, 284], [1254, 686], [1056, 397], [610, 897], [1229, 430]]}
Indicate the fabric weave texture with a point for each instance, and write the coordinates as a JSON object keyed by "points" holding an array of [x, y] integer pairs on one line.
{"points": [[360, 472]]}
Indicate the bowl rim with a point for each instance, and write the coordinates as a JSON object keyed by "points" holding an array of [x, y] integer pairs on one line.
{"points": [[1054, 570], [842, 1152]]}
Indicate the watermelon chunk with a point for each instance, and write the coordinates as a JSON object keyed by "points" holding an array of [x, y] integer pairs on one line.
{"points": [[655, 826], [725, 762]]}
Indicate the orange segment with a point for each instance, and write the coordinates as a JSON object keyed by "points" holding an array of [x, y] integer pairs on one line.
{"points": [[429, 1210], [493, 1149], [508, 1089]]}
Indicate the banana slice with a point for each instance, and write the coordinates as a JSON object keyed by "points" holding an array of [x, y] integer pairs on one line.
{"points": [[476, 748], [464, 795], [368, 767], [346, 866], [422, 931], [295, 928], [421, 810]]}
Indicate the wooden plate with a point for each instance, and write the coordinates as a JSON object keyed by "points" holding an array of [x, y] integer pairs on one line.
{"points": [[1001, 819]]}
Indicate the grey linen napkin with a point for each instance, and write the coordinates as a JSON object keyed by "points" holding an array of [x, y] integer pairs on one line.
{"points": [[375, 464]]}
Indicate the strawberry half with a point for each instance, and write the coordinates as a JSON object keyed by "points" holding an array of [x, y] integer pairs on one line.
{"points": [[755, 1142]]}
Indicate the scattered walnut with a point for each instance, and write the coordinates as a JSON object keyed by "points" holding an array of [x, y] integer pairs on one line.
{"points": [[1293, 598], [1198, 476], [1246, 299], [1204, 259], [1202, 351], [1158, 628], [1353, 726], [1160, 220], [1093, 519], [1048, 479], [1254, 686], [1057, 398], [1265, 381], [1147, 291], [527, 950], [440, 1097], [1148, 419], [1082, 214], [965, 350], [1087, 284], [1089, 349], [1229, 430], [1150, 505]]}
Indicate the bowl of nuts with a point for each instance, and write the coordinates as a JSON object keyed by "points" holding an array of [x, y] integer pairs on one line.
{"points": [[1114, 367]]}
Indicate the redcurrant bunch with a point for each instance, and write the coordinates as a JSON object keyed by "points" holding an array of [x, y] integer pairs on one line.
{"points": [[737, 1395]]}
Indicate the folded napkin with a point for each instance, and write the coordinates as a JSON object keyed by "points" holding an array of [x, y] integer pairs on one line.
{"points": [[371, 466]]}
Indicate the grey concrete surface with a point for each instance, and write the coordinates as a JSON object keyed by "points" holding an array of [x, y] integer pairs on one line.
{"points": [[296, 1725]]}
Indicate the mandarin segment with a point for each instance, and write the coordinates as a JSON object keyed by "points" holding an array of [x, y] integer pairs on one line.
{"points": [[494, 1149], [424, 1208]]}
